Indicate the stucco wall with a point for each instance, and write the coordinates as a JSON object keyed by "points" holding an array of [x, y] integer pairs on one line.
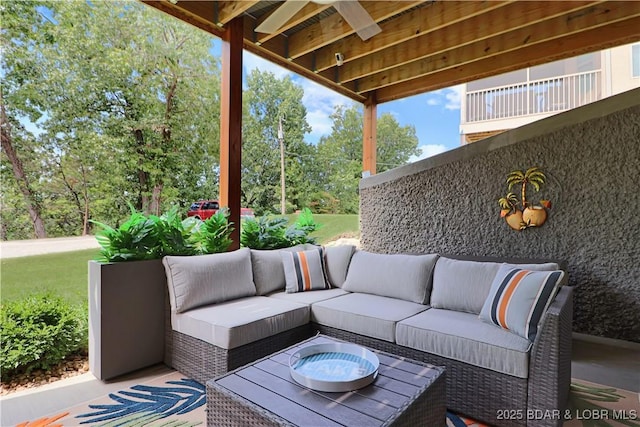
{"points": [[591, 156]]}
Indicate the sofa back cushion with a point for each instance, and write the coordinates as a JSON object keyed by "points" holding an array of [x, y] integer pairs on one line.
{"points": [[338, 259], [404, 277], [464, 285], [195, 281], [268, 273]]}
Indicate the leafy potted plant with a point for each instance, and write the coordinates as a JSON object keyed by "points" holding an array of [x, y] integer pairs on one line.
{"points": [[272, 232], [127, 285]]}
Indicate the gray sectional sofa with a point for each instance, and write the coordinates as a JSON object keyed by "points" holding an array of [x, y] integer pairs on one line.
{"points": [[226, 310]]}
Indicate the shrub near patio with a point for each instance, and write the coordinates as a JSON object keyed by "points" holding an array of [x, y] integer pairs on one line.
{"points": [[39, 332]]}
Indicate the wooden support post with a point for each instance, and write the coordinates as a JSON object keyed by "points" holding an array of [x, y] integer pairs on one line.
{"points": [[369, 136], [231, 125]]}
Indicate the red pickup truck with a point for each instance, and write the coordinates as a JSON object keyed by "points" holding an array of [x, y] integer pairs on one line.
{"points": [[204, 209]]}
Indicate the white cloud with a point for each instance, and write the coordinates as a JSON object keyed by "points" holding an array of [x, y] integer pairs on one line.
{"points": [[251, 62], [428, 150], [453, 96], [320, 103], [449, 97]]}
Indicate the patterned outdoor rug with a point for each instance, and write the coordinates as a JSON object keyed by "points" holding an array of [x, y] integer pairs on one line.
{"points": [[174, 401]]}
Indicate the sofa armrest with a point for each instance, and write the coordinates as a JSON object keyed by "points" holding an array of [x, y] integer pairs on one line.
{"points": [[550, 361]]}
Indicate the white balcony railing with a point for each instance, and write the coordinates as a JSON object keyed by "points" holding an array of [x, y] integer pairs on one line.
{"points": [[534, 97]]}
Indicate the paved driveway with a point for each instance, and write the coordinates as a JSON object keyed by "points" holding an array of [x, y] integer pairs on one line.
{"points": [[20, 248]]}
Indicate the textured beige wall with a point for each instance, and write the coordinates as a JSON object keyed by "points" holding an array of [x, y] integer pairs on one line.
{"points": [[591, 156]]}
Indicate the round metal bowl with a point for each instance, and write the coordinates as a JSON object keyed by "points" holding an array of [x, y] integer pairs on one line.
{"points": [[334, 367]]}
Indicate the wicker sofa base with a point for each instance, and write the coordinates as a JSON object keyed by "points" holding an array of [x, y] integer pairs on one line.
{"points": [[481, 394], [203, 361]]}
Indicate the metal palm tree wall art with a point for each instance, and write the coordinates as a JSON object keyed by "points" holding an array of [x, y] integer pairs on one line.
{"points": [[522, 214]]}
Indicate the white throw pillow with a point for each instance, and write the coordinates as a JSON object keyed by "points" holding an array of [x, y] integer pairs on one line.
{"points": [[195, 281]]}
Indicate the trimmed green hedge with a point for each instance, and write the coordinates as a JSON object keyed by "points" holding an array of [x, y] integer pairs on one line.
{"points": [[38, 332]]}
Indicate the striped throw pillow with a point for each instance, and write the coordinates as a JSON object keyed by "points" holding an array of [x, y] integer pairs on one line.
{"points": [[518, 298], [304, 270]]}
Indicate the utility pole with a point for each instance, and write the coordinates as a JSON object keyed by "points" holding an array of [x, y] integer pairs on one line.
{"points": [[283, 205]]}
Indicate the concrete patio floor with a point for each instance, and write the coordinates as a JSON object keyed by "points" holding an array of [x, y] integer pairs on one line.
{"points": [[606, 362]]}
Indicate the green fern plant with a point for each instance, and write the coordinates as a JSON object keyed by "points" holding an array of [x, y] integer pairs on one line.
{"points": [[212, 235], [136, 239], [144, 237], [264, 232], [272, 232]]}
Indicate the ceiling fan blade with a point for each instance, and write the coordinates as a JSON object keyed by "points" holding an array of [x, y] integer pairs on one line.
{"points": [[280, 16], [358, 17]]}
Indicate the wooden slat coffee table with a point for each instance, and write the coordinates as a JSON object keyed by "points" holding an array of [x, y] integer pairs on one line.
{"points": [[405, 393]]}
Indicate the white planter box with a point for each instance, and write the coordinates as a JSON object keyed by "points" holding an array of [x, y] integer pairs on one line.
{"points": [[126, 316]]}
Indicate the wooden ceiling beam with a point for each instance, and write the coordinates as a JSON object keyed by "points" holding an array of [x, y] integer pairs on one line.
{"points": [[227, 10], [617, 33], [198, 14], [554, 29], [307, 12], [277, 44], [405, 27], [347, 89], [334, 27], [480, 27]]}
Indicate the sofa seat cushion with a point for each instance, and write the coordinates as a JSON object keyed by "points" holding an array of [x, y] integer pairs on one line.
{"points": [[309, 298], [465, 338], [235, 323], [371, 315]]}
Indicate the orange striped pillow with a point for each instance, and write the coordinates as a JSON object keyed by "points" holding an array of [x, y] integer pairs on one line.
{"points": [[304, 270], [518, 298]]}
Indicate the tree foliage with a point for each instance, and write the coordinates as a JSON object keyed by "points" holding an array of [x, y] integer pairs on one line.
{"points": [[268, 99], [340, 156], [111, 103], [113, 86]]}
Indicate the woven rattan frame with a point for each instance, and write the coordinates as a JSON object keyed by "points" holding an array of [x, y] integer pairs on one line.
{"points": [[476, 392], [203, 361], [486, 395]]}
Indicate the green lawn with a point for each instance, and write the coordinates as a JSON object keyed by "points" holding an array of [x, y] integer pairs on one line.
{"points": [[65, 274], [334, 226]]}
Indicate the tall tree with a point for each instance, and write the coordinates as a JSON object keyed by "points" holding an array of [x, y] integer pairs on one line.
{"points": [[127, 100], [340, 155], [140, 81], [267, 99], [22, 33]]}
